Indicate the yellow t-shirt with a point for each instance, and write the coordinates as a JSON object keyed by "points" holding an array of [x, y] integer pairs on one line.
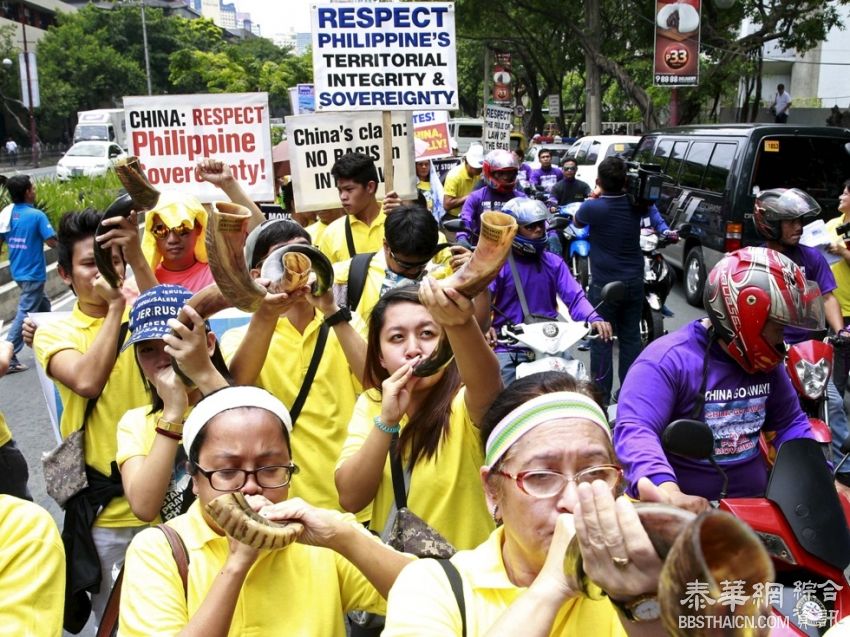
{"points": [[421, 601], [32, 571], [445, 490], [136, 435], [321, 428], [5, 432], [366, 238], [124, 390], [299, 590], [316, 230], [841, 269], [459, 183]]}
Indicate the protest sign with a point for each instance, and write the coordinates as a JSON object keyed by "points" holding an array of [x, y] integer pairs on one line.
{"points": [[317, 141], [384, 56], [306, 99], [432, 127], [497, 127], [677, 32], [171, 133]]}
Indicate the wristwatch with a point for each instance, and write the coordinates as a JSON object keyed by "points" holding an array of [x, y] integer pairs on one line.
{"points": [[170, 427], [342, 314], [644, 608]]}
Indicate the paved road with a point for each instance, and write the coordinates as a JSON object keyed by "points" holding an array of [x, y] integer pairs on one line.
{"points": [[23, 405]]}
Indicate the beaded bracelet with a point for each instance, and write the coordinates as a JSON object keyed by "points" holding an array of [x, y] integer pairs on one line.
{"points": [[380, 424], [168, 434]]}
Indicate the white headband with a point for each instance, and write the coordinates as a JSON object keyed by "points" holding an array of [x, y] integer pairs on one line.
{"points": [[231, 398], [530, 414]]}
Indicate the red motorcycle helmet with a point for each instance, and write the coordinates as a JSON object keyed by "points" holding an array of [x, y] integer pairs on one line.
{"points": [[503, 162], [747, 288], [778, 204]]}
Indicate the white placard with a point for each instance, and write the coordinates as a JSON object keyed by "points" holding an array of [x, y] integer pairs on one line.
{"points": [[171, 133], [497, 127], [554, 105], [317, 141], [815, 235], [384, 56]]}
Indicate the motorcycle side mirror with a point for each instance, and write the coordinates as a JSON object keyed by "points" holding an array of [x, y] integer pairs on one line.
{"points": [[454, 225], [613, 292], [558, 223], [688, 438], [684, 230]]}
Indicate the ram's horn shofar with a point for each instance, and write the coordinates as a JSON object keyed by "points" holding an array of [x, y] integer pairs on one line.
{"points": [[494, 245], [289, 268], [236, 518]]}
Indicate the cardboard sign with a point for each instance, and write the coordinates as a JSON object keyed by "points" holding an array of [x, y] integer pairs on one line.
{"points": [[317, 141], [677, 31], [171, 133], [497, 127], [384, 56], [432, 127]]}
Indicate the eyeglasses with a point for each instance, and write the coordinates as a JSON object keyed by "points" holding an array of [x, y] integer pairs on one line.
{"points": [[161, 231], [545, 484], [409, 265], [271, 477], [571, 169]]}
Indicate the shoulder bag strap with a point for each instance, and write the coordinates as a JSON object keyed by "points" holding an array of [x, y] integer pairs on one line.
{"points": [[357, 273], [108, 626], [400, 480], [181, 555], [457, 588], [301, 398], [526, 313], [91, 402], [349, 238]]}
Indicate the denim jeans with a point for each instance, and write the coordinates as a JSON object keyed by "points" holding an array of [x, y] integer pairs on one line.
{"points": [[508, 362], [624, 316], [837, 424], [32, 300]]}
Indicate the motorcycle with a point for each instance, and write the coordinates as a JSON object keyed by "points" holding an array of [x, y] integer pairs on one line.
{"points": [[549, 339], [801, 520], [577, 239], [657, 282]]}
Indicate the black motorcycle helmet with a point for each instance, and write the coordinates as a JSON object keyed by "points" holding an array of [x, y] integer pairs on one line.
{"points": [[778, 204]]}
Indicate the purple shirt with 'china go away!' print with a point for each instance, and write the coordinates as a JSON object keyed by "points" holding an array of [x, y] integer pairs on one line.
{"points": [[662, 386]]}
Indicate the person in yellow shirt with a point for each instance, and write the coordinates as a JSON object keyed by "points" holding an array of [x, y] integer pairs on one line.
{"points": [[841, 270], [325, 218], [15, 474], [274, 352], [548, 448], [362, 228], [32, 571], [153, 467], [237, 439], [462, 180], [79, 355], [434, 419]]}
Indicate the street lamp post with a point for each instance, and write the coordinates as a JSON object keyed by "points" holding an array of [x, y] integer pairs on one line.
{"points": [[145, 43], [33, 134]]}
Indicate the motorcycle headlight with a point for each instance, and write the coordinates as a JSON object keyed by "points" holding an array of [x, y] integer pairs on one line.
{"points": [[813, 378]]}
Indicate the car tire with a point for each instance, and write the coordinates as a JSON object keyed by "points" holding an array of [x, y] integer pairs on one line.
{"points": [[693, 277]]}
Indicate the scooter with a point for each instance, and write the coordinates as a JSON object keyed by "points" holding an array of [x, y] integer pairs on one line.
{"points": [[801, 520], [578, 240], [657, 282], [550, 339]]}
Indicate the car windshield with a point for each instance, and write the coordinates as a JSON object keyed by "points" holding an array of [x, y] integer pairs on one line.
{"points": [[87, 150]]}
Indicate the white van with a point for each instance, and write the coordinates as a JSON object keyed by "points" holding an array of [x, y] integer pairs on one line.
{"points": [[465, 131], [591, 150]]}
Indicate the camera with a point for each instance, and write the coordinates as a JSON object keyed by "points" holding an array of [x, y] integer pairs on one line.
{"points": [[843, 229], [643, 182]]}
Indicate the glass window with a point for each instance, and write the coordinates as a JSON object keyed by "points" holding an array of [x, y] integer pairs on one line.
{"points": [[675, 161], [592, 154], [818, 165], [695, 163], [662, 154], [644, 151], [718, 168], [581, 155]]}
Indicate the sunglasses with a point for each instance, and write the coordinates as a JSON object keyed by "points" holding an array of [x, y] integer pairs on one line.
{"points": [[571, 168], [161, 231], [409, 265]]}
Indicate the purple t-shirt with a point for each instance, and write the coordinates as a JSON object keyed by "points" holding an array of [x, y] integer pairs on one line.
{"points": [[482, 200], [543, 279], [546, 178], [815, 268], [662, 386]]}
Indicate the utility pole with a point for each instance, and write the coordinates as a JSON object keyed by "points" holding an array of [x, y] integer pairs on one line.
{"points": [[145, 42], [488, 71], [593, 101]]}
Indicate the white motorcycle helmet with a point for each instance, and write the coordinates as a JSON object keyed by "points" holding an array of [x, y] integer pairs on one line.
{"points": [[527, 211]]}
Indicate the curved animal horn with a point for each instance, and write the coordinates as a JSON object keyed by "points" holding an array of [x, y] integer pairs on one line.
{"points": [[235, 517], [494, 245], [227, 228], [289, 267], [716, 547], [129, 171], [121, 207]]}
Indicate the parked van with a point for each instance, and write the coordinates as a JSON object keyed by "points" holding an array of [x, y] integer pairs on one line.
{"points": [[466, 130], [711, 176]]}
